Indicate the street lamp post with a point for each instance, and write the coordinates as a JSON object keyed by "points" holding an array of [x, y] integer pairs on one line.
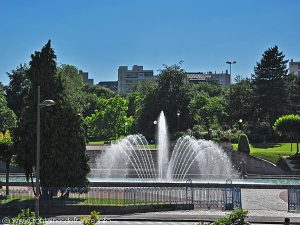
{"points": [[155, 123], [38, 150], [230, 63], [241, 124], [178, 114]]}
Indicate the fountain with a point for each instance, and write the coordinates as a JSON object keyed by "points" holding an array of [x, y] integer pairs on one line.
{"points": [[190, 159]]}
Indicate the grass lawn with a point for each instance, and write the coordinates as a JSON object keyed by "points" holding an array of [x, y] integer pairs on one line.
{"points": [[96, 142], [76, 201], [270, 151]]}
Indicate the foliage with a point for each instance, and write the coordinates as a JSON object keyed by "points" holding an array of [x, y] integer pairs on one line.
{"points": [[211, 89], [73, 86], [6, 154], [146, 108], [26, 217], [8, 118], [206, 110], [17, 88], [91, 94], [294, 94], [92, 219], [8, 121], [270, 86], [239, 101], [236, 218], [109, 121], [63, 157], [244, 144], [172, 96], [289, 125]]}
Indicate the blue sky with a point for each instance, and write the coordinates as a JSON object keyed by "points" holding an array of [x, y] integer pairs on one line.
{"points": [[99, 35]]}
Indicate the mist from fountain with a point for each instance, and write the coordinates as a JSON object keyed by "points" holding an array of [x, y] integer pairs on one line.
{"points": [[190, 158]]}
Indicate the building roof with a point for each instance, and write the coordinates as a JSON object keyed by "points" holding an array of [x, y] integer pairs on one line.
{"points": [[198, 76]]}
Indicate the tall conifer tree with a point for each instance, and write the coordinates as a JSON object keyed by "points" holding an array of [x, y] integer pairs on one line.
{"points": [[63, 157], [270, 86]]}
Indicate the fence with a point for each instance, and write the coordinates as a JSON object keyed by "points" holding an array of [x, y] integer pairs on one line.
{"points": [[208, 197], [293, 199]]}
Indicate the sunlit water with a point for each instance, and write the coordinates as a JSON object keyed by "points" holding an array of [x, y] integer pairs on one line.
{"points": [[130, 157]]}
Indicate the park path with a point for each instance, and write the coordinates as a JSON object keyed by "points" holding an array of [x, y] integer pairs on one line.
{"points": [[263, 199]]}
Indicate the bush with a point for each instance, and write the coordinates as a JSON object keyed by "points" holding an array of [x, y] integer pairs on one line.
{"points": [[236, 218], [92, 219], [26, 217], [243, 145]]}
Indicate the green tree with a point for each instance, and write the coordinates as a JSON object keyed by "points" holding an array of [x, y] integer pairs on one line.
{"points": [[63, 157], [7, 116], [110, 120], [92, 93], [239, 101], [294, 94], [172, 96], [289, 125], [73, 85], [144, 107], [270, 86], [206, 110], [17, 89], [8, 121], [6, 154], [211, 89]]}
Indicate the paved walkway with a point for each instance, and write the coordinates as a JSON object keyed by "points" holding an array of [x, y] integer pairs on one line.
{"points": [[264, 206]]}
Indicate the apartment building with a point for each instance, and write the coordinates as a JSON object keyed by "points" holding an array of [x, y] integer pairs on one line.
{"points": [[128, 79]]}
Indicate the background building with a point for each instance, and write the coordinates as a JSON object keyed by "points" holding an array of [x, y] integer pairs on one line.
{"points": [[223, 79], [85, 77], [128, 79], [294, 67], [112, 85]]}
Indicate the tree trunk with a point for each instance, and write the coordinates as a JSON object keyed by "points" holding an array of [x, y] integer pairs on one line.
{"points": [[7, 177]]}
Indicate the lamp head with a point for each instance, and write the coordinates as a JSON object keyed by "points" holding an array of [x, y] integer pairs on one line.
{"points": [[154, 122], [47, 103]]}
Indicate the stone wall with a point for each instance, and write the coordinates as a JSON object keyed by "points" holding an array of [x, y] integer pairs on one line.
{"points": [[253, 165]]}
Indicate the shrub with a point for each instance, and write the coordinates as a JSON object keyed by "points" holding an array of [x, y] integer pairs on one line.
{"points": [[237, 218], [243, 145], [92, 219], [25, 217]]}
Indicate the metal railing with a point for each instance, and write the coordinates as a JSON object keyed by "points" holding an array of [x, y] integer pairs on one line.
{"points": [[293, 200], [224, 198]]}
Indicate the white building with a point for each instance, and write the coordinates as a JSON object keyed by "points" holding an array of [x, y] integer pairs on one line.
{"points": [[294, 67], [128, 79]]}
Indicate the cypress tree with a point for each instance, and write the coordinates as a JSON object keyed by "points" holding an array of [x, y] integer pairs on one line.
{"points": [[270, 86], [63, 157]]}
